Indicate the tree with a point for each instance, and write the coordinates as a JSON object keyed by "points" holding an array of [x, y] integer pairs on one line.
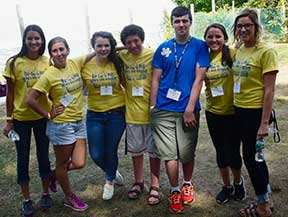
{"points": [[205, 5]]}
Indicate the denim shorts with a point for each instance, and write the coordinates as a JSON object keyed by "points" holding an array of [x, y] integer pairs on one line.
{"points": [[65, 133]]}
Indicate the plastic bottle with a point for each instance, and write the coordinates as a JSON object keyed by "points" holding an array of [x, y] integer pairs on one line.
{"points": [[259, 150], [13, 135]]}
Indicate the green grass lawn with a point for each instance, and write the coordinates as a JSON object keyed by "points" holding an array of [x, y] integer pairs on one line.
{"points": [[88, 182]]}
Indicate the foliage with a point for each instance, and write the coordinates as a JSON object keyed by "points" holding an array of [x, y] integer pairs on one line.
{"points": [[166, 26], [205, 5]]}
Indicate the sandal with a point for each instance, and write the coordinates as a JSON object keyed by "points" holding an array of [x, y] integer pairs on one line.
{"points": [[251, 211], [156, 197], [134, 192]]}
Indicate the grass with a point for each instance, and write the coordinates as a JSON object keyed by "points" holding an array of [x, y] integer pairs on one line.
{"points": [[88, 182]]}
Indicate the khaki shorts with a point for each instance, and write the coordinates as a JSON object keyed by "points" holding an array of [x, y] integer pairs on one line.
{"points": [[139, 140], [173, 141]]}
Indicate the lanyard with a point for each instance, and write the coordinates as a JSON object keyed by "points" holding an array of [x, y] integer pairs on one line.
{"points": [[178, 61]]}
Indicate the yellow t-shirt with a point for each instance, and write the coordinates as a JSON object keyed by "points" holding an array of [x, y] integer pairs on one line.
{"points": [[59, 82], [138, 74], [249, 67], [26, 73], [219, 86], [102, 75]]}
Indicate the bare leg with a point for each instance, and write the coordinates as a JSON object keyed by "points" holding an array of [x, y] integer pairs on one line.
{"points": [[138, 173], [188, 170], [172, 169], [25, 191], [236, 174], [225, 175], [78, 159], [45, 185], [155, 175], [63, 155]]}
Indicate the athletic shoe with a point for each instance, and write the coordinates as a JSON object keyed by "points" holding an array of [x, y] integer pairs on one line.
{"points": [[240, 191], [225, 194], [45, 202], [108, 192], [187, 194], [175, 202], [119, 180], [75, 203], [28, 208], [53, 182]]}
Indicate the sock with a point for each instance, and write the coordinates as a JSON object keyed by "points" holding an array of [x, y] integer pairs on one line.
{"points": [[238, 183], [187, 182], [172, 189]]}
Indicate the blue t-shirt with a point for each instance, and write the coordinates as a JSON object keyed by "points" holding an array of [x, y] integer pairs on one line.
{"points": [[164, 58]]}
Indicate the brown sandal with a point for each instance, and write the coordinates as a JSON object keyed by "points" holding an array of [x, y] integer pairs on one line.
{"points": [[251, 211], [134, 193], [155, 196]]}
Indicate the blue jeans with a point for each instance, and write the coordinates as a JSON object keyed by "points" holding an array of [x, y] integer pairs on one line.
{"points": [[24, 129], [104, 131]]}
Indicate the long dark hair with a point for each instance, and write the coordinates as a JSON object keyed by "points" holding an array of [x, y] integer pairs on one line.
{"points": [[24, 49], [112, 55], [226, 56]]}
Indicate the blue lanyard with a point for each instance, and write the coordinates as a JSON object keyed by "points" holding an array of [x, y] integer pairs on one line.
{"points": [[178, 61]]}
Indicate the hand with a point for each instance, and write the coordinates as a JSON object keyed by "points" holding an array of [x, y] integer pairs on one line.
{"points": [[263, 131], [56, 110], [7, 127], [189, 118]]}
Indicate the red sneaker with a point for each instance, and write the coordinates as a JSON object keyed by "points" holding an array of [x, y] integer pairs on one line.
{"points": [[187, 194], [175, 202]]}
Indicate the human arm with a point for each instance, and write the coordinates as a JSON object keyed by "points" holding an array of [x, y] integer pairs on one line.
{"points": [[269, 89], [9, 106], [89, 56], [157, 72], [33, 101], [189, 117]]}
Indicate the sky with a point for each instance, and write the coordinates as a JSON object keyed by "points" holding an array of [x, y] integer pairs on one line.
{"points": [[67, 18]]}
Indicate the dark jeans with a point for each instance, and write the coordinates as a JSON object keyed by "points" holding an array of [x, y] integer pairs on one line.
{"points": [[225, 140], [104, 131], [24, 129], [248, 122]]}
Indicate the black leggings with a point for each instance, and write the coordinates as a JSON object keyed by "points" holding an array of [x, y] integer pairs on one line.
{"points": [[227, 144], [248, 122]]}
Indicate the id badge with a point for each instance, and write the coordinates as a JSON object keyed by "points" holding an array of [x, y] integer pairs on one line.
{"points": [[137, 91], [106, 90], [67, 99], [237, 87], [217, 91], [173, 94]]}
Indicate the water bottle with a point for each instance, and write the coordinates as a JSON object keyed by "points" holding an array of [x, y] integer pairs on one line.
{"points": [[13, 135], [259, 150]]}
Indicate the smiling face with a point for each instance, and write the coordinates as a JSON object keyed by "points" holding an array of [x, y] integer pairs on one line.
{"points": [[181, 25], [215, 39], [245, 30], [33, 42], [134, 44], [59, 53], [102, 48]]}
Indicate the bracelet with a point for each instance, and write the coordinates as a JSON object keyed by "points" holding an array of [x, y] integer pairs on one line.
{"points": [[9, 118], [151, 107], [48, 116]]}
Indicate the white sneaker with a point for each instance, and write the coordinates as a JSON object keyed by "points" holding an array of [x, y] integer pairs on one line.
{"points": [[119, 180], [108, 192]]}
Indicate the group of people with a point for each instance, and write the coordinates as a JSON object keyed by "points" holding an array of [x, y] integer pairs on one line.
{"points": [[154, 96]]}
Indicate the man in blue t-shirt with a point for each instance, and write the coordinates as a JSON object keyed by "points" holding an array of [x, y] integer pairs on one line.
{"points": [[179, 65]]}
